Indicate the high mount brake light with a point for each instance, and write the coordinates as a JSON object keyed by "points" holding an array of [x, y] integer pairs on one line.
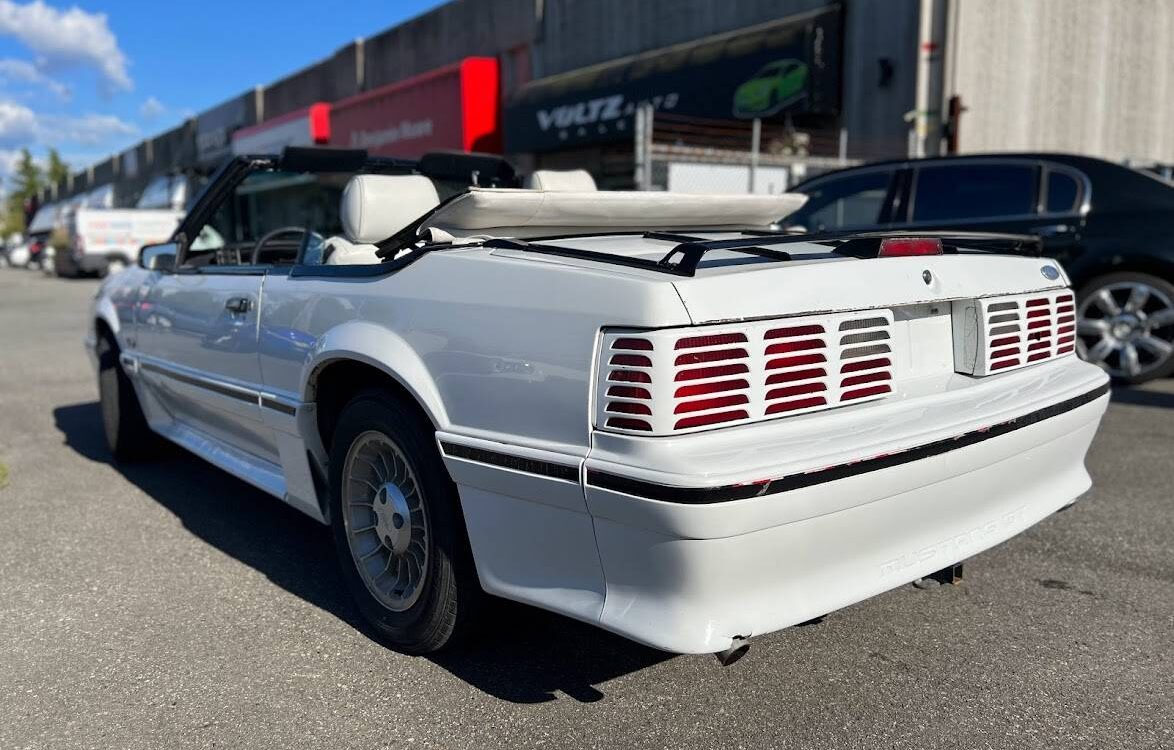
{"points": [[903, 247]]}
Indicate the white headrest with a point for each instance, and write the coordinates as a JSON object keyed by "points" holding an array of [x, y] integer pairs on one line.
{"points": [[376, 206], [574, 180]]}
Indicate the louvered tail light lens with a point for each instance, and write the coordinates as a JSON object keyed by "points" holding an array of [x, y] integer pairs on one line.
{"points": [[998, 334], [674, 381]]}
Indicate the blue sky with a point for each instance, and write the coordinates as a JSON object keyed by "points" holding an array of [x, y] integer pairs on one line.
{"points": [[93, 77]]}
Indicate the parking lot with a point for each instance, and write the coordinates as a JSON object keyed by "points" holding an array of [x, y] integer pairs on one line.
{"points": [[170, 605]]}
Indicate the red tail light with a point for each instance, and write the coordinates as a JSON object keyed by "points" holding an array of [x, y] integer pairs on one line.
{"points": [[671, 381], [901, 247]]}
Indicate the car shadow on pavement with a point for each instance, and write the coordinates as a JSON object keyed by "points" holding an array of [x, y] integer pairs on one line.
{"points": [[1139, 397], [521, 655]]}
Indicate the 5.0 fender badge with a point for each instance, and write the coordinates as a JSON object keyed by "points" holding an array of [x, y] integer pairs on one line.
{"points": [[1051, 273]]}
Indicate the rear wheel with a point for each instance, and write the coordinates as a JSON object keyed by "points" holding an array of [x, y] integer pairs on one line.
{"points": [[1126, 326], [127, 434], [397, 526]]}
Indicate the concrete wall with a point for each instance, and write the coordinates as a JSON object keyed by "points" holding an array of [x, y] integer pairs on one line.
{"points": [[1091, 76], [456, 30], [328, 80]]}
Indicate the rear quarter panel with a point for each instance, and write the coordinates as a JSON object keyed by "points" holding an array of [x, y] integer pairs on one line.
{"points": [[493, 347]]}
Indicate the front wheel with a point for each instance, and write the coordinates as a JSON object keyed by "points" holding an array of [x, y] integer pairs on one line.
{"points": [[1126, 326], [127, 434], [398, 528]]}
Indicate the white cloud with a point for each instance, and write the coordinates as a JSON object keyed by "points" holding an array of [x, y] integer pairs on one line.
{"points": [[86, 130], [22, 71], [8, 159], [20, 126], [67, 37], [152, 108]]}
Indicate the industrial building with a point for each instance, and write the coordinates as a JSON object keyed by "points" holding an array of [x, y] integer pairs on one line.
{"points": [[777, 86]]}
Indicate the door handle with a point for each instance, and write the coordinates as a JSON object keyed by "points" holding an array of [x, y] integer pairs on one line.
{"points": [[239, 305]]}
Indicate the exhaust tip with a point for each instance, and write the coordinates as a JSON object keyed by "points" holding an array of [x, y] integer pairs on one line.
{"points": [[739, 647]]}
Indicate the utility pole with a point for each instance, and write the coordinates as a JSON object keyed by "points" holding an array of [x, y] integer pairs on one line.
{"points": [[643, 147], [755, 147], [930, 78]]}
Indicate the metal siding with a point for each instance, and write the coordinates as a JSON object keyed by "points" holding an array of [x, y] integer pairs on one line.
{"points": [[1088, 76], [874, 116]]}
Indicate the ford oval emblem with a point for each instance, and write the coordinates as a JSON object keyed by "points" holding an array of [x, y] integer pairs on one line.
{"points": [[1051, 273]]}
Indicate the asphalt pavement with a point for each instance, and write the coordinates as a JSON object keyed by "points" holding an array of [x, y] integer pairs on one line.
{"points": [[168, 605]]}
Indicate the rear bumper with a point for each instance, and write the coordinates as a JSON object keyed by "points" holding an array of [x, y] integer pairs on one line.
{"points": [[669, 589], [686, 543]]}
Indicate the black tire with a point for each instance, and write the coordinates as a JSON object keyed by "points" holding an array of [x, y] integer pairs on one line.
{"points": [[450, 594], [1162, 293], [127, 434]]}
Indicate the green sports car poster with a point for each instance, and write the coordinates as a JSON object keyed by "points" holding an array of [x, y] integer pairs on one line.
{"points": [[769, 71]]}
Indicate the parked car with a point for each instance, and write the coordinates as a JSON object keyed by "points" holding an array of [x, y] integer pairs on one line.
{"points": [[687, 438], [1109, 225], [107, 240]]}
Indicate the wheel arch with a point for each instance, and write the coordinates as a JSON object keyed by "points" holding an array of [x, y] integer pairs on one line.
{"points": [[357, 356], [106, 318], [1154, 265]]}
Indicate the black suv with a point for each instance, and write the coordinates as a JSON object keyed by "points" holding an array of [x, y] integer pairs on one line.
{"points": [[1110, 226]]}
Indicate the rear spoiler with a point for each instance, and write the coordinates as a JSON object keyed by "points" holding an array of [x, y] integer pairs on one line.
{"points": [[684, 258]]}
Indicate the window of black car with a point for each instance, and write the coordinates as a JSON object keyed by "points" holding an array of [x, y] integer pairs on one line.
{"points": [[850, 201], [271, 218], [1063, 191], [975, 191]]}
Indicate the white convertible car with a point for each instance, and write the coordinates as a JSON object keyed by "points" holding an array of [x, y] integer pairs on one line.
{"points": [[645, 411]]}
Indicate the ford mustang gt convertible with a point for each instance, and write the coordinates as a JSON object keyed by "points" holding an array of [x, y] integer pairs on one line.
{"points": [[645, 411]]}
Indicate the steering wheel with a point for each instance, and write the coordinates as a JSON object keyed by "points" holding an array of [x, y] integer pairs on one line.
{"points": [[306, 235]]}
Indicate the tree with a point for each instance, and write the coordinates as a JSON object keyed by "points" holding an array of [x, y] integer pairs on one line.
{"points": [[24, 184], [58, 170]]}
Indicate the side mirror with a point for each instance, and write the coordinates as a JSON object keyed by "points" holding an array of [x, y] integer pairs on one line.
{"points": [[159, 257]]}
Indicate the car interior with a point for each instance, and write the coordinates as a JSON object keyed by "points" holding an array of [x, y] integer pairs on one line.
{"points": [[281, 217]]}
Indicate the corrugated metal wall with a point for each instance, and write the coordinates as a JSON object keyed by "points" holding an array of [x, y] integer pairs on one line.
{"points": [[1090, 76], [880, 76]]}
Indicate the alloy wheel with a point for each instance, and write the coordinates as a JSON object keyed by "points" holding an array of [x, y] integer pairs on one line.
{"points": [[1127, 328], [386, 521]]}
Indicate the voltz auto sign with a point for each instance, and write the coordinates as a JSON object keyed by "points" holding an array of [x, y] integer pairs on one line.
{"points": [[765, 72]]}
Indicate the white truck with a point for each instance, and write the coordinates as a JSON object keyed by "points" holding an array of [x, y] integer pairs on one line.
{"points": [[645, 411], [107, 240]]}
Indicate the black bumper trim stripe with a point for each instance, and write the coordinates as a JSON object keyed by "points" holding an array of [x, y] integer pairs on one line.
{"points": [[509, 461], [707, 495]]}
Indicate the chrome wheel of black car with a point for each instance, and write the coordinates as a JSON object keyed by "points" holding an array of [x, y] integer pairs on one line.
{"points": [[1126, 326]]}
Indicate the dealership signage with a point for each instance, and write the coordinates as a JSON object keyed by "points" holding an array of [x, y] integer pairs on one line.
{"points": [[455, 107], [303, 127], [766, 72]]}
